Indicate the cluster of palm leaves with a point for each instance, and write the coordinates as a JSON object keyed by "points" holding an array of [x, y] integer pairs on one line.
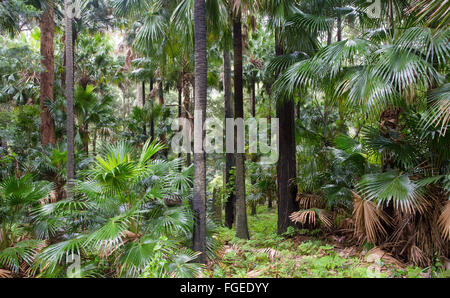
{"points": [[128, 216], [395, 175]]}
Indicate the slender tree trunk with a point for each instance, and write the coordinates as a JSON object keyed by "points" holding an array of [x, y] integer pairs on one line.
{"points": [[199, 201], [186, 103], [144, 124], [253, 97], [230, 201], [69, 94], [330, 34], [286, 167], [241, 208], [269, 200], [162, 136], [254, 156], [47, 128], [216, 207], [152, 121], [339, 27], [94, 142]]}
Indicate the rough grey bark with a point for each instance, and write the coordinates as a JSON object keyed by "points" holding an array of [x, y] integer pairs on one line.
{"points": [[230, 201], [47, 129], [69, 93], [199, 201], [241, 208]]}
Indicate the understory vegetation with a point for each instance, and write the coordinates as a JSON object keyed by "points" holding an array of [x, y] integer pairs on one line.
{"points": [[103, 104]]}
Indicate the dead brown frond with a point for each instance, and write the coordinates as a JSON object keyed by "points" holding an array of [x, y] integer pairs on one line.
{"points": [[370, 221], [5, 273], [304, 217], [326, 218], [418, 256], [444, 221], [308, 201]]}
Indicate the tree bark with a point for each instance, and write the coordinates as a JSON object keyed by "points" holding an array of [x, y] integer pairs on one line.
{"points": [[230, 201], [69, 94], [144, 125], [152, 121], [216, 207], [199, 201], [241, 209], [186, 103], [47, 129], [286, 167]]}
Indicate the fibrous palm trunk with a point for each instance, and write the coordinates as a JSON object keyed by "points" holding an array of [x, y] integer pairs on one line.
{"points": [[230, 201], [47, 129], [241, 209], [199, 201]]}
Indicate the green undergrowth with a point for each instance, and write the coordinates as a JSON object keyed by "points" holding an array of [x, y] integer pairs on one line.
{"points": [[296, 254]]}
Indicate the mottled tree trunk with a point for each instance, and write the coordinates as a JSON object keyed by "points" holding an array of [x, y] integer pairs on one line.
{"points": [[48, 135], [230, 201], [69, 94], [241, 209], [199, 201]]}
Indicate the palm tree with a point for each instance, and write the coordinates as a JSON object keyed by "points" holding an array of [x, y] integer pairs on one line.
{"points": [[241, 208], [47, 75], [69, 92], [230, 200], [384, 76], [199, 201], [286, 167]]}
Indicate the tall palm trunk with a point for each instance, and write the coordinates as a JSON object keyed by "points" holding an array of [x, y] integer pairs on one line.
{"points": [[186, 104], [199, 201], [48, 135], [144, 125], [253, 112], [152, 121], [69, 93], [162, 136], [241, 210], [230, 202], [286, 167]]}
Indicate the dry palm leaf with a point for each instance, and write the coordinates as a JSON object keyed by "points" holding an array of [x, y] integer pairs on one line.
{"points": [[308, 201], [369, 220], [444, 221], [304, 217], [5, 273]]}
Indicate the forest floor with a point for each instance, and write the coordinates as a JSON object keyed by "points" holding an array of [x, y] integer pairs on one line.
{"points": [[301, 253]]}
